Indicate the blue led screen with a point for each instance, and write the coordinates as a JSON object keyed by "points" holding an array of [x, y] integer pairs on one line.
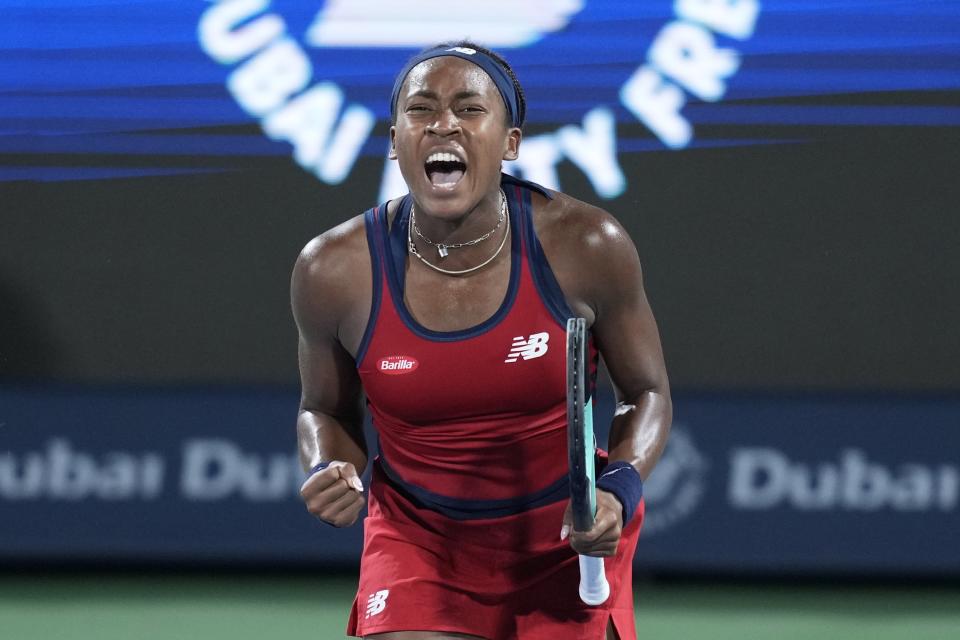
{"points": [[785, 168], [143, 79]]}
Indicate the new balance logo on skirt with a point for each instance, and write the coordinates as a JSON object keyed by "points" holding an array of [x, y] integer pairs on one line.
{"points": [[377, 602], [528, 348]]}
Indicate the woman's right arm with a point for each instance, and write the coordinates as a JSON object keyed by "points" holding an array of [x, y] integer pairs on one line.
{"points": [[330, 420]]}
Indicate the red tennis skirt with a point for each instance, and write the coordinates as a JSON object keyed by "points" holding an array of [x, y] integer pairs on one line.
{"points": [[500, 578]]}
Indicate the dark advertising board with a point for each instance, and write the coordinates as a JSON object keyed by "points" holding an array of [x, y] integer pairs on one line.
{"points": [[770, 484]]}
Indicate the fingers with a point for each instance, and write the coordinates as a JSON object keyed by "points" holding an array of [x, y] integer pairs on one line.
{"points": [[344, 511], [604, 536], [335, 494], [349, 473], [567, 525], [602, 539], [324, 478]]}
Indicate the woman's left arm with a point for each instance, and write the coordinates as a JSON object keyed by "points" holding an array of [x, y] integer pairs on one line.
{"points": [[626, 335]]}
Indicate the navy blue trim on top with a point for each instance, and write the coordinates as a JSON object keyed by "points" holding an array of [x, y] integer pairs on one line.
{"points": [[396, 246], [396, 240], [461, 509], [543, 278], [508, 180], [546, 283], [370, 223]]}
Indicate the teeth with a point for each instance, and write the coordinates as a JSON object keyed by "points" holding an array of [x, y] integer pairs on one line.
{"points": [[444, 157]]}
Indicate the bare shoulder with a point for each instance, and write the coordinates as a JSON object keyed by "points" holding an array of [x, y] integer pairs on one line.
{"points": [[334, 252], [571, 226], [589, 251], [331, 278]]}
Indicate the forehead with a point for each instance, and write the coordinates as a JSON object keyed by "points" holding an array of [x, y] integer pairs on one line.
{"points": [[449, 73]]}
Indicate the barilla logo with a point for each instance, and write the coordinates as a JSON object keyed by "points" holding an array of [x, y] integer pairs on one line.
{"points": [[397, 365]]}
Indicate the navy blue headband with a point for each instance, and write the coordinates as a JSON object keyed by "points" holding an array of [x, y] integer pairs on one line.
{"points": [[493, 69]]}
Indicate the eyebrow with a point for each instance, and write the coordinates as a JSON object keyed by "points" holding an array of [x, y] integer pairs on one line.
{"points": [[432, 95]]}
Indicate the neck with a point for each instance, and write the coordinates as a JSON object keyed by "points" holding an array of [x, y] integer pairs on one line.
{"points": [[453, 229], [462, 248]]}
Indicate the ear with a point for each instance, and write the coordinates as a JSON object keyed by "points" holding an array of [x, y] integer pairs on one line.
{"points": [[392, 154], [512, 148]]}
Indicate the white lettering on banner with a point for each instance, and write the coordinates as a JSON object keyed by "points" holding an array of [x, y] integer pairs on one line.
{"points": [[225, 41], [687, 53], [264, 83], [272, 83], [267, 86], [216, 469], [388, 23], [675, 488], [355, 126], [309, 120], [683, 51], [764, 478], [657, 103], [593, 148], [538, 162], [734, 18], [62, 473]]}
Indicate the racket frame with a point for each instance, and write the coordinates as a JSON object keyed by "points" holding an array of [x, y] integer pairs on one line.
{"points": [[581, 445]]}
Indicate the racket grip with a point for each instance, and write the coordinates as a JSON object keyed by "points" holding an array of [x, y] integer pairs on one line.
{"points": [[594, 589]]}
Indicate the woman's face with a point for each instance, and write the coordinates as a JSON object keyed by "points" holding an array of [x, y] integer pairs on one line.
{"points": [[451, 136]]}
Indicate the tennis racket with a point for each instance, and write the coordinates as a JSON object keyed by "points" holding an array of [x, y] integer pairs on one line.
{"points": [[594, 589]]}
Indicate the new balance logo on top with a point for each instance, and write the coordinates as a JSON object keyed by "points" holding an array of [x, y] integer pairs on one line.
{"points": [[528, 348], [377, 602]]}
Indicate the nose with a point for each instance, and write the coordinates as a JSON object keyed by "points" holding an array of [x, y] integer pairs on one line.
{"points": [[446, 123]]}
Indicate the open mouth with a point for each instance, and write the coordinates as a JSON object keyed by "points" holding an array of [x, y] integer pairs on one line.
{"points": [[444, 169]]}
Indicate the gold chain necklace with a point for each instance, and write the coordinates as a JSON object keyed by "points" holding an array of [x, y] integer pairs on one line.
{"points": [[412, 247], [444, 249]]}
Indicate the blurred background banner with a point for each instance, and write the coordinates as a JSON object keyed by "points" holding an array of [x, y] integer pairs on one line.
{"points": [[158, 476], [767, 485], [786, 169]]}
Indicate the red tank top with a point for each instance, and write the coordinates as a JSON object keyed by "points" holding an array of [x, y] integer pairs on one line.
{"points": [[471, 423]]}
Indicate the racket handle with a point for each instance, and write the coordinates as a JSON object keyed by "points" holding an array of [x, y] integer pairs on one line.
{"points": [[594, 589]]}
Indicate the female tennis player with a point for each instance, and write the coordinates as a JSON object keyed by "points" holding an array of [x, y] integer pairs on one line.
{"points": [[446, 310]]}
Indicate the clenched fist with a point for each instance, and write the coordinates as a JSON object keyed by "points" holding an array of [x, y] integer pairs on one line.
{"points": [[335, 494]]}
